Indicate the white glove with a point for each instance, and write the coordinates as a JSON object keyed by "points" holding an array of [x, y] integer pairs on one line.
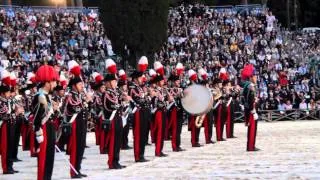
{"points": [[255, 116], [39, 136], [242, 107], [1, 123]]}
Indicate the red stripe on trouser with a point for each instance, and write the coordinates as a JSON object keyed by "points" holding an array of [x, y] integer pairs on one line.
{"points": [[174, 126], [73, 147], [42, 154], [228, 126], [4, 146], [218, 124], [111, 135], [158, 131], [251, 133], [136, 135], [206, 129]]}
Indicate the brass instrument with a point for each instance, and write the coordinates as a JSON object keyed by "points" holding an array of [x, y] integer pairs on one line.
{"points": [[199, 120]]}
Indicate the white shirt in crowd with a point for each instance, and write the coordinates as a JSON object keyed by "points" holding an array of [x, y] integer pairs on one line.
{"points": [[303, 106]]}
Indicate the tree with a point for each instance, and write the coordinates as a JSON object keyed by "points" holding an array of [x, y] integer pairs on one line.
{"points": [[141, 25]]}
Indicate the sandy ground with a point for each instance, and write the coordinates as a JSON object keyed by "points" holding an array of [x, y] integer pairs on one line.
{"points": [[290, 150]]}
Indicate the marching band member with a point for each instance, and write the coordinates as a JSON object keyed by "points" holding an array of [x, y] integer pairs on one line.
{"points": [[76, 116], [59, 97], [112, 116], [159, 110], [123, 91], [7, 124], [176, 110], [227, 108], [43, 111], [150, 95], [208, 119], [141, 115], [195, 131], [17, 105], [97, 110], [27, 133], [251, 115], [219, 122]]}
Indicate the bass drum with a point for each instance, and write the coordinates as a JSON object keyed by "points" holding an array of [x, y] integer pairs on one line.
{"points": [[197, 100]]}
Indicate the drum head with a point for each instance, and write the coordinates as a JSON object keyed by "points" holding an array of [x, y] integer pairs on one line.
{"points": [[197, 99]]}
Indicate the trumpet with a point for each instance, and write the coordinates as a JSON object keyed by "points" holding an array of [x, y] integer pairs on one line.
{"points": [[199, 120]]}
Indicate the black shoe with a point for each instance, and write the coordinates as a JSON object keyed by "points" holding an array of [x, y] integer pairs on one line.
{"points": [[15, 171], [142, 160], [163, 155], [84, 158], [233, 137], [210, 142], [148, 144], [119, 166], [126, 148], [255, 149], [196, 145], [180, 149], [82, 175], [16, 160], [78, 176], [9, 172], [87, 146]]}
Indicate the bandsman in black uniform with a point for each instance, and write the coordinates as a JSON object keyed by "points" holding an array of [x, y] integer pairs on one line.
{"points": [[112, 122], [251, 116], [7, 124], [44, 112], [175, 110]]}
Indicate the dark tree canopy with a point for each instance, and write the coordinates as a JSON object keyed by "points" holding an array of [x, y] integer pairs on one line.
{"points": [[139, 24]]}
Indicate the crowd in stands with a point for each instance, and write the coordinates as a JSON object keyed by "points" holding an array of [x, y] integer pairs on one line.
{"points": [[198, 36]]}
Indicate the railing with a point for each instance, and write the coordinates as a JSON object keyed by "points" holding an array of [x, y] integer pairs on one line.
{"points": [[51, 8], [276, 115]]}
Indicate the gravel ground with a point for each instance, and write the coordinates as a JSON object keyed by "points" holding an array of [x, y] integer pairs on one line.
{"points": [[289, 150]]}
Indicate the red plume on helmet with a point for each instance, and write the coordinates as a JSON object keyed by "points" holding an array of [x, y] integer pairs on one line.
{"points": [[31, 78], [74, 68], [5, 77], [63, 81], [152, 73], [98, 78], [223, 74], [179, 69], [46, 73], [111, 66], [247, 71], [143, 64], [158, 67], [122, 75], [192, 75], [203, 75], [13, 79]]}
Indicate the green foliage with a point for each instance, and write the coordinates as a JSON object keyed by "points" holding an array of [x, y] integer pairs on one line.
{"points": [[139, 24]]}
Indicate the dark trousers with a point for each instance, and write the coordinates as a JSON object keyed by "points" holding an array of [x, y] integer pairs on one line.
{"points": [[176, 118], [17, 133], [195, 131], [7, 145], [115, 138], [77, 143], [252, 132], [140, 131], [159, 130], [47, 152], [219, 123]]}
